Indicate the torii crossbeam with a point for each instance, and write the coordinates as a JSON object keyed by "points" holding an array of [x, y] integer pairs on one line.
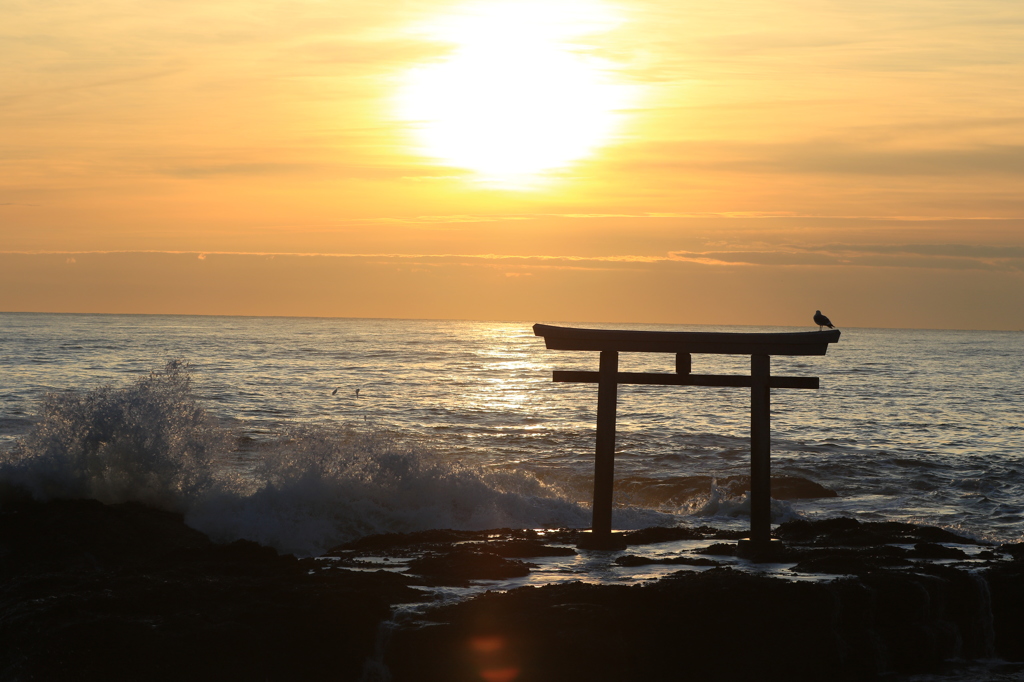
{"points": [[759, 346]]}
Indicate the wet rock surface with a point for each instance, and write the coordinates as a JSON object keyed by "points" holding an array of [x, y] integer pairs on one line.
{"points": [[850, 532], [634, 560], [718, 624], [125, 592], [461, 565], [693, 622], [1006, 585]]}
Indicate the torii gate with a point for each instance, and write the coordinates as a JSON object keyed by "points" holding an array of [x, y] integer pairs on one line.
{"points": [[759, 346]]}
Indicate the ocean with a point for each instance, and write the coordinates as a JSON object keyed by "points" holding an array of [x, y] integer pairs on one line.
{"points": [[304, 433]]}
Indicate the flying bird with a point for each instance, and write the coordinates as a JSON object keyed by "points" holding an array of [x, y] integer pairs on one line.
{"points": [[822, 321]]}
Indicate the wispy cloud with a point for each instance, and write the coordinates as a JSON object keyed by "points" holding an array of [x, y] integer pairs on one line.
{"points": [[828, 156], [662, 215], [394, 256], [241, 168], [930, 256]]}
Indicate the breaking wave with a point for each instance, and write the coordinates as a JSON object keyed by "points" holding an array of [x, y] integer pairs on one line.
{"points": [[149, 442], [720, 503], [324, 486], [316, 487]]}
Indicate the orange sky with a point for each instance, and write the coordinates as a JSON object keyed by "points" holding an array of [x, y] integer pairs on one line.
{"points": [[734, 162]]}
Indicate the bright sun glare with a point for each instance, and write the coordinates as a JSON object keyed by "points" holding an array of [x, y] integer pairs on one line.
{"points": [[519, 95]]}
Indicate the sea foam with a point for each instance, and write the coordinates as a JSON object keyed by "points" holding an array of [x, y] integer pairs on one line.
{"points": [[303, 492], [720, 503], [323, 486], [148, 442]]}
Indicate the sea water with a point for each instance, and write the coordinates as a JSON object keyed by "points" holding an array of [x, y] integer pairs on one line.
{"points": [[303, 433]]}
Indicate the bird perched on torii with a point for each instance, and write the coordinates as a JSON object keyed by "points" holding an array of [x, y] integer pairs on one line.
{"points": [[822, 321]]}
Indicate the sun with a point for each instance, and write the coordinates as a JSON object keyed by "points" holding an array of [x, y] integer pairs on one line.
{"points": [[519, 95]]}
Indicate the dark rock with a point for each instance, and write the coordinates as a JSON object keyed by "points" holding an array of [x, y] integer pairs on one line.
{"points": [[783, 487], [63, 534], [808, 531], [1006, 585], [797, 488], [929, 550], [719, 549], [599, 633], [668, 491], [847, 563], [936, 535], [853, 629], [521, 549], [928, 616], [125, 592], [847, 532], [463, 564], [1014, 550]]}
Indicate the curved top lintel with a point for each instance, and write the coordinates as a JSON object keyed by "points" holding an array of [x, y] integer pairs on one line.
{"points": [[754, 343]]}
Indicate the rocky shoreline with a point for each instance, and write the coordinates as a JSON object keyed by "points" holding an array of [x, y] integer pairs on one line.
{"points": [[127, 592]]}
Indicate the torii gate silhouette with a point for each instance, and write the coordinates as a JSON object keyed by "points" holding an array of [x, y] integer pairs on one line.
{"points": [[759, 346]]}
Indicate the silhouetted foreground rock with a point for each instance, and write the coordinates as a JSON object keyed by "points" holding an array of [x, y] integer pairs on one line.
{"points": [[125, 592], [720, 624], [1006, 583]]}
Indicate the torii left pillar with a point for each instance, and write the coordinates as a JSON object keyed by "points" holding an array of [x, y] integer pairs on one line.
{"points": [[604, 460]]}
